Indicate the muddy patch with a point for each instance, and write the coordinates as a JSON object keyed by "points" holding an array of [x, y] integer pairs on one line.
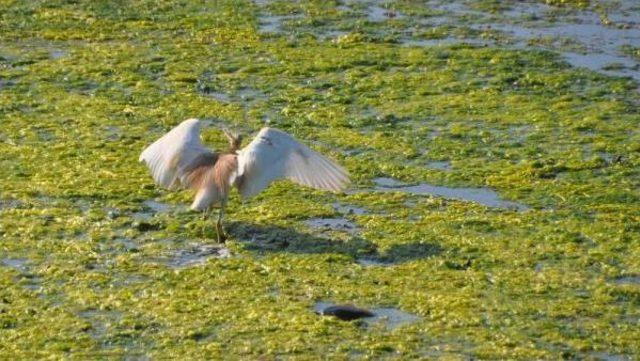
{"points": [[482, 196], [112, 133], [388, 317], [399, 253], [26, 278], [333, 224], [194, 255], [99, 323]]}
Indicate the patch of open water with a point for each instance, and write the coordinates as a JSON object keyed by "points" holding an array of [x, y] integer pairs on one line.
{"points": [[56, 54], [628, 280], [10, 204], [483, 196], [535, 25], [606, 356], [376, 13], [274, 23], [372, 262], [157, 207], [18, 264], [439, 165]]}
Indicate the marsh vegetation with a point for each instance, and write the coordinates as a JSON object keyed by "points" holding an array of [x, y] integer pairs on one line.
{"points": [[491, 96]]}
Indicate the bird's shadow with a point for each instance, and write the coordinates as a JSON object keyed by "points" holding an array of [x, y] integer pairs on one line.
{"points": [[266, 239]]}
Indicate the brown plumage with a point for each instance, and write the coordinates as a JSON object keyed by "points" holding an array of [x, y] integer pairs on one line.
{"points": [[212, 182], [210, 177], [179, 160]]}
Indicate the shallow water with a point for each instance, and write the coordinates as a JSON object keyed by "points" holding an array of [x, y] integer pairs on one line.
{"points": [[628, 280], [579, 35], [372, 262], [606, 356], [126, 243], [439, 165], [483, 196], [274, 23], [157, 207], [101, 322], [220, 96], [19, 264], [376, 13], [56, 54], [9, 204], [529, 23], [391, 318]]}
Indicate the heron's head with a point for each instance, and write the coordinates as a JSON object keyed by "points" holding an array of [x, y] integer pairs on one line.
{"points": [[235, 140]]}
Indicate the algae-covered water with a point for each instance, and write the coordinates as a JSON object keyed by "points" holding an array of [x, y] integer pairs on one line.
{"points": [[494, 148]]}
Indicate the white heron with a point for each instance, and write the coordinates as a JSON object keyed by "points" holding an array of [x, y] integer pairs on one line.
{"points": [[178, 160]]}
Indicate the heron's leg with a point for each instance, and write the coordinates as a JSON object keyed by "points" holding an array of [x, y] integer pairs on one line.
{"points": [[205, 215], [221, 235]]}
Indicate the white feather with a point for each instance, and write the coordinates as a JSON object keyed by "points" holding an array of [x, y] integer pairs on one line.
{"points": [[274, 154], [169, 156]]}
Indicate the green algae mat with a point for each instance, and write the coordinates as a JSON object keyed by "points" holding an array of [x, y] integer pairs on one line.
{"points": [[494, 211]]}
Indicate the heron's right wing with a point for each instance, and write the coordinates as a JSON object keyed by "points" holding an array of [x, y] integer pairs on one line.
{"points": [[274, 154], [174, 157]]}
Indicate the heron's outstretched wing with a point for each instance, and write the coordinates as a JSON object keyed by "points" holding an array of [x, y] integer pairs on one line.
{"points": [[274, 154], [175, 158]]}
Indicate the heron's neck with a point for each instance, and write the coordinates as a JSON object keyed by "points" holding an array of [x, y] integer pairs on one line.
{"points": [[234, 143]]}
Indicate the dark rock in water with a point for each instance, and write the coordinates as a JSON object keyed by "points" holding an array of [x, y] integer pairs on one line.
{"points": [[389, 317], [346, 312]]}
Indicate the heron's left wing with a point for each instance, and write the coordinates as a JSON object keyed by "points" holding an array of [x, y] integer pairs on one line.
{"points": [[173, 158], [274, 154]]}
